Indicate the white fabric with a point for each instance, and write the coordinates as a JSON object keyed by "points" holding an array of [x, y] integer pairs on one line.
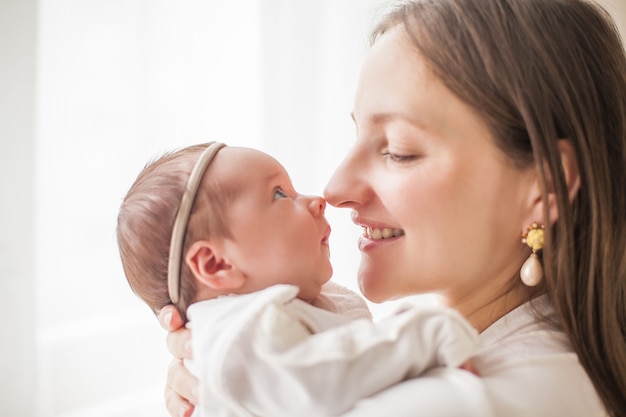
{"points": [[341, 300], [271, 354], [527, 370]]}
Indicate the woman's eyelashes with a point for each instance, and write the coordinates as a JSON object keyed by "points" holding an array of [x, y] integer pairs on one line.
{"points": [[399, 158]]}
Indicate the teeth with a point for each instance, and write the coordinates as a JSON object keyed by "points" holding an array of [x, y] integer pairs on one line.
{"points": [[377, 234]]}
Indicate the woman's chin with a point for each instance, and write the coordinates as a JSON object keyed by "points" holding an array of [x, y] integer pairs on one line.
{"points": [[373, 291], [373, 282]]}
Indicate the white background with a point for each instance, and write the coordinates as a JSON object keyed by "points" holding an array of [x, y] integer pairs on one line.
{"points": [[92, 89]]}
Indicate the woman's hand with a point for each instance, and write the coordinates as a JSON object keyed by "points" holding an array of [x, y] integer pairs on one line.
{"points": [[181, 390], [469, 366]]}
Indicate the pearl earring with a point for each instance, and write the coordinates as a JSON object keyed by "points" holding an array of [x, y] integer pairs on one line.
{"points": [[532, 271]]}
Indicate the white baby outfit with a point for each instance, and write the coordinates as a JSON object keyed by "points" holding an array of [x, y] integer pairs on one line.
{"points": [[272, 354]]}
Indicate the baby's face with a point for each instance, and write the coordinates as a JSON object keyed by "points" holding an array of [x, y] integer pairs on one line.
{"points": [[277, 235]]}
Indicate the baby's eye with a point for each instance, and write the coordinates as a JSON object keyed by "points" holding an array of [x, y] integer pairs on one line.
{"points": [[279, 193]]}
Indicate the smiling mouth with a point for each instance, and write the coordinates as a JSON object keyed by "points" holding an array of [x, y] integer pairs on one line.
{"points": [[374, 233]]}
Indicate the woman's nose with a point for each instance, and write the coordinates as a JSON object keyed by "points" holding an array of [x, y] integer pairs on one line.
{"points": [[343, 186]]}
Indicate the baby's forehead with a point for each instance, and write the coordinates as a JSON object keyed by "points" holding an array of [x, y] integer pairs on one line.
{"points": [[240, 164], [244, 153]]}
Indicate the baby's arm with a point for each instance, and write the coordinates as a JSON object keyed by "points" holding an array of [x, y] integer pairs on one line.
{"points": [[335, 368], [276, 367]]}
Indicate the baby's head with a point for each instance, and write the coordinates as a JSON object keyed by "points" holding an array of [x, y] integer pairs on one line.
{"points": [[248, 229], [146, 219]]}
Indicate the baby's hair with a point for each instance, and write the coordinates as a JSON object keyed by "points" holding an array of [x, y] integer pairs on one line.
{"points": [[146, 219]]}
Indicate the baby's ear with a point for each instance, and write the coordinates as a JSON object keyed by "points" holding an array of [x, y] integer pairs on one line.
{"points": [[210, 268]]}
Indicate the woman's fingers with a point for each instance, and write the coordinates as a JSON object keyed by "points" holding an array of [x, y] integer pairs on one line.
{"points": [[170, 318], [181, 391], [179, 343], [176, 405], [470, 367], [178, 337]]}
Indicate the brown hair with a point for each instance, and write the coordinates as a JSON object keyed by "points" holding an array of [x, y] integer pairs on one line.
{"points": [[538, 71], [146, 219]]}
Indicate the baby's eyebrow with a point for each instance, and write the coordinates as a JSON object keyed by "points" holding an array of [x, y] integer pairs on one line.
{"points": [[270, 177]]}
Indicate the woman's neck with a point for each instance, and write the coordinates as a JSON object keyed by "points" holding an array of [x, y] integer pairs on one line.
{"points": [[483, 309]]}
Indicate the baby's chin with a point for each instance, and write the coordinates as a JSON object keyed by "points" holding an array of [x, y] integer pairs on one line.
{"points": [[309, 295], [312, 289]]}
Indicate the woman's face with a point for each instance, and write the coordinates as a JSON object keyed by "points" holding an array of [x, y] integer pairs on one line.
{"points": [[426, 174]]}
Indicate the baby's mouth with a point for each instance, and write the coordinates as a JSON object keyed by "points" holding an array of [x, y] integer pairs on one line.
{"points": [[374, 233], [326, 236]]}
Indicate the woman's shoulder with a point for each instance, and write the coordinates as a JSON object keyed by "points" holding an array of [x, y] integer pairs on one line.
{"points": [[527, 363], [528, 332]]}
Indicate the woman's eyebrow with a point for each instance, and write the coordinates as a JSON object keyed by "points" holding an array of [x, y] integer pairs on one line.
{"points": [[378, 118]]}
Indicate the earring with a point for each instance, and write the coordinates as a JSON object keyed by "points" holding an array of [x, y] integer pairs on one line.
{"points": [[532, 271]]}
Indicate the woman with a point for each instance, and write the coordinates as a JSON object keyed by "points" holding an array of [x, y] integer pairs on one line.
{"points": [[480, 123]]}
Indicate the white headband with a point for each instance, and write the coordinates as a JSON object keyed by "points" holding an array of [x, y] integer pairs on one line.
{"points": [[182, 217]]}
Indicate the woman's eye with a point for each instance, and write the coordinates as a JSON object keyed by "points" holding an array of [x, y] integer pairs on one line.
{"points": [[279, 193], [398, 157]]}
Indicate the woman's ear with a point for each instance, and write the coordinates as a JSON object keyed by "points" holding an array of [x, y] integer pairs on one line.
{"points": [[570, 167], [210, 268], [572, 182]]}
